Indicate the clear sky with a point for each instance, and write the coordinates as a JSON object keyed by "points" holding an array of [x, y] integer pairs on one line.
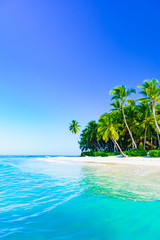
{"points": [[60, 58]]}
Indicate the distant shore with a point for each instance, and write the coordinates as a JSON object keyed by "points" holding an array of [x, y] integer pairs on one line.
{"points": [[146, 161]]}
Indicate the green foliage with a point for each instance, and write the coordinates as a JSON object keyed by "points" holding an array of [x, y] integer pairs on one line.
{"points": [[150, 90], [121, 93], [130, 153], [107, 127], [154, 153], [89, 138], [74, 126], [136, 152], [129, 123], [89, 154], [99, 154], [114, 153]]}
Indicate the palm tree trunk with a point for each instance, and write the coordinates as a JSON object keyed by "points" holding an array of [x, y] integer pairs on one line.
{"points": [[115, 147], [158, 139], [157, 127], [103, 145], [154, 114], [119, 148], [145, 135], [130, 133], [96, 147], [99, 144]]}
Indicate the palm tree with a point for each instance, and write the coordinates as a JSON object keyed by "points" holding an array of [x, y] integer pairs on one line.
{"points": [[117, 106], [117, 109], [144, 119], [151, 93], [122, 93], [84, 142], [89, 137], [74, 127], [107, 129], [130, 114], [92, 129]]}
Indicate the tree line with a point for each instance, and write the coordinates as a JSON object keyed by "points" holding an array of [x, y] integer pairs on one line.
{"points": [[130, 124]]}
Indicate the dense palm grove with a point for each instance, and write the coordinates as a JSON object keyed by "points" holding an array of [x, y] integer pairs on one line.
{"points": [[130, 124]]}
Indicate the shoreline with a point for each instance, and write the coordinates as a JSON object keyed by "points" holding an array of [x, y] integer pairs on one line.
{"points": [[118, 160]]}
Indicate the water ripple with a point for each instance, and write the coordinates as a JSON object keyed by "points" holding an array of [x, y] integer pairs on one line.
{"points": [[46, 200]]}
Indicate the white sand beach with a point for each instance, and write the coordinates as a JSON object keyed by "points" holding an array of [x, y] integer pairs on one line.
{"points": [[145, 161]]}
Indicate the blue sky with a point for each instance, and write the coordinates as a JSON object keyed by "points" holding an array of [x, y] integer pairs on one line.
{"points": [[58, 61]]}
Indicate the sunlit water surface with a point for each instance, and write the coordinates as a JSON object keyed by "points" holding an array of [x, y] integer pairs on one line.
{"points": [[64, 199]]}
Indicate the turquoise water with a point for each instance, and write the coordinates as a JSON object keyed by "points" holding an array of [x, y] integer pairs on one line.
{"points": [[64, 199]]}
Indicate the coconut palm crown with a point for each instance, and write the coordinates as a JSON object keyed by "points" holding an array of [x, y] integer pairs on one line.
{"points": [[121, 93], [74, 127], [150, 90]]}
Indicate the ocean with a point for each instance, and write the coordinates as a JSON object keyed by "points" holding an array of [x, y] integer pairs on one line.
{"points": [[43, 199]]}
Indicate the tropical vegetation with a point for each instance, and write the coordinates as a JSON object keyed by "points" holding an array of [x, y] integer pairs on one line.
{"points": [[131, 127], [74, 126]]}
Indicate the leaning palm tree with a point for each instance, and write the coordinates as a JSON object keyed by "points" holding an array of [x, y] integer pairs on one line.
{"points": [[107, 130], [121, 93], [144, 119], [151, 93], [74, 127]]}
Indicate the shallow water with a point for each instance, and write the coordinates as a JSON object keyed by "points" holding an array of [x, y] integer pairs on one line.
{"points": [[65, 199]]}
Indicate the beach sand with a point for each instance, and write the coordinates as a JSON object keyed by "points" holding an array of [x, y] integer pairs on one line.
{"points": [[111, 160]]}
